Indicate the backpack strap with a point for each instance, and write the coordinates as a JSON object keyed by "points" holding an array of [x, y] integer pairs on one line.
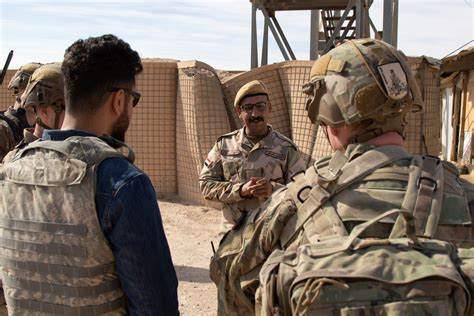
{"points": [[326, 187], [423, 197]]}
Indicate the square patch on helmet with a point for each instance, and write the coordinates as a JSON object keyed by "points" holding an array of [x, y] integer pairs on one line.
{"points": [[394, 80]]}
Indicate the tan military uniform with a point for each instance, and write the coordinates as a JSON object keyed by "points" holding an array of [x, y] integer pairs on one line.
{"points": [[9, 137], [234, 160], [246, 249], [54, 257], [28, 137]]}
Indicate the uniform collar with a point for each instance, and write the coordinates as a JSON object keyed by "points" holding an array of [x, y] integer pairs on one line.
{"points": [[355, 150], [28, 135], [56, 134], [266, 142]]}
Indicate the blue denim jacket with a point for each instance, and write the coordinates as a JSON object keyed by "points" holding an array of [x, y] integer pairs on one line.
{"points": [[131, 221]]}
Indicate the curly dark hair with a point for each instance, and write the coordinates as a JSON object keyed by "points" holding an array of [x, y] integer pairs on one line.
{"points": [[94, 65]]}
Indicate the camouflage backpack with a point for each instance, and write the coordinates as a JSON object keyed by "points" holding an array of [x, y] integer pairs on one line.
{"points": [[347, 275]]}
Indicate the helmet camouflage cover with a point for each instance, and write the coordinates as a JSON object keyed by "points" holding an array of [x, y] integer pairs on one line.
{"points": [[45, 88], [20, 79], [363, 81]]}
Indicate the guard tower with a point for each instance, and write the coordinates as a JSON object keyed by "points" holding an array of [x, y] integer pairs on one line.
{"points": [[339, 20]]}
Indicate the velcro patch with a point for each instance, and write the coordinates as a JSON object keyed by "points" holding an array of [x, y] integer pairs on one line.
{"points": [[394, 80], [336, 65], [275, 155], [230, 152], [320, 66]]}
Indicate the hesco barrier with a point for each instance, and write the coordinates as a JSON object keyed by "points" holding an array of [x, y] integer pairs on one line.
{"points": [[185, 107], [424, 128], [152, 132], [6, 99], [201, 118]]}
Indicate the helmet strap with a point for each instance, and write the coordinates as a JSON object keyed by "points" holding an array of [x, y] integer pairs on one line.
{"points": [[41, 123]]}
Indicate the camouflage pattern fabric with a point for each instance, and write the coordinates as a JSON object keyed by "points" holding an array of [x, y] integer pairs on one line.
{"points": [[28, 137], [234, 160], [348, 275], [236, 264], [54, 257], [381, 190], [9, 137], [20, 79], [366, 82]]}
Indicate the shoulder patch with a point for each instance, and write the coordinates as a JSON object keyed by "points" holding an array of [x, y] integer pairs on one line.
{"points": [[227, 135], [212, 158]]}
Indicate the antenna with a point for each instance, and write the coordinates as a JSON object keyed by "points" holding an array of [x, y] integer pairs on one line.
{"points": [[5, 67]]}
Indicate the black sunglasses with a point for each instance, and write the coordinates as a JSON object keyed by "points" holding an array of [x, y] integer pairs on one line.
{"points": [[135, 95]]}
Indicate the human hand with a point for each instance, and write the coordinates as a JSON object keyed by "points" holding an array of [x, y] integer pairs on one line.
{"points": [[245, 190], [262, 188]]}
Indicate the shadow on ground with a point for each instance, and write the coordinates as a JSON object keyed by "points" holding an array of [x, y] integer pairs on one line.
{"points": [[192, 274]]}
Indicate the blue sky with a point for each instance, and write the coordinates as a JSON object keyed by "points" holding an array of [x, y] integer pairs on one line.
{"points": [[216, 32]]}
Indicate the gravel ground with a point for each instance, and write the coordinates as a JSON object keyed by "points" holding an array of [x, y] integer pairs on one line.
{"points": [[189, 230]]}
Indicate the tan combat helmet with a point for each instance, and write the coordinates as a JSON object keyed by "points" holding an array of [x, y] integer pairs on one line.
{"points": [[363, 82], [20, 79], [45, 88]]}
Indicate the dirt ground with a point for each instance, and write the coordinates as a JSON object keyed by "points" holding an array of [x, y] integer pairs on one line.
{"points": [[189, 230]]}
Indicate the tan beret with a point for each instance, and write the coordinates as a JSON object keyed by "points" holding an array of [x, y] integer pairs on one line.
{"points": [[251, 88]]}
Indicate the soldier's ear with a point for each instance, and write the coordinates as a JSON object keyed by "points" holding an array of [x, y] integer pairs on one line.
{"points": [[238, 110], [117, 102]]}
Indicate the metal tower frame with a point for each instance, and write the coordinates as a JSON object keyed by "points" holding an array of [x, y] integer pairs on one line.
{"points": [[335, 15]]}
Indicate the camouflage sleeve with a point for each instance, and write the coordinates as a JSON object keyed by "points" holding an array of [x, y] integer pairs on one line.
{"points": [[5, 140], [274, 215], [212, 181], [294, 165]]}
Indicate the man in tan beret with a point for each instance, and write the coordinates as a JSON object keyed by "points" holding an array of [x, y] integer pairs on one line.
{"points": [[245, 166]]}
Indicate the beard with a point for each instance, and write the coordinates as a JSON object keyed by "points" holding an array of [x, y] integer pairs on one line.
{"points": [[121, 126]]}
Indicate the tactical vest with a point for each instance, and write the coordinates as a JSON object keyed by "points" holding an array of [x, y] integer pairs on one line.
{"points": [[53, 255], [343, 251], [338, 193]]}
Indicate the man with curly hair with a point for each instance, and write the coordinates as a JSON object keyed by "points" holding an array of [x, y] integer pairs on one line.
{"points": [[83, 226]]}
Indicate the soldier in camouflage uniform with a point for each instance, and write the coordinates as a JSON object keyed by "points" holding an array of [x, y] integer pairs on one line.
{"points": [[44, 96], [13, 120], [245, 166], [359, 93], [44, 100], [80, 228]]}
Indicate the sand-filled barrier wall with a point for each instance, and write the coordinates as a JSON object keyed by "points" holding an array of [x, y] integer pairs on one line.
{"points": [[185, 106]]}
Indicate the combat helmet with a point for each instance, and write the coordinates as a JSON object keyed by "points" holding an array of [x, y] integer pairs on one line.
{"points": [[45, 88], [363, 82], [19, 80]]}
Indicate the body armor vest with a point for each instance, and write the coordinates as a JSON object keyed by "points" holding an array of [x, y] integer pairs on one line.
{"points": [[348, 191], [54, 257]]}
